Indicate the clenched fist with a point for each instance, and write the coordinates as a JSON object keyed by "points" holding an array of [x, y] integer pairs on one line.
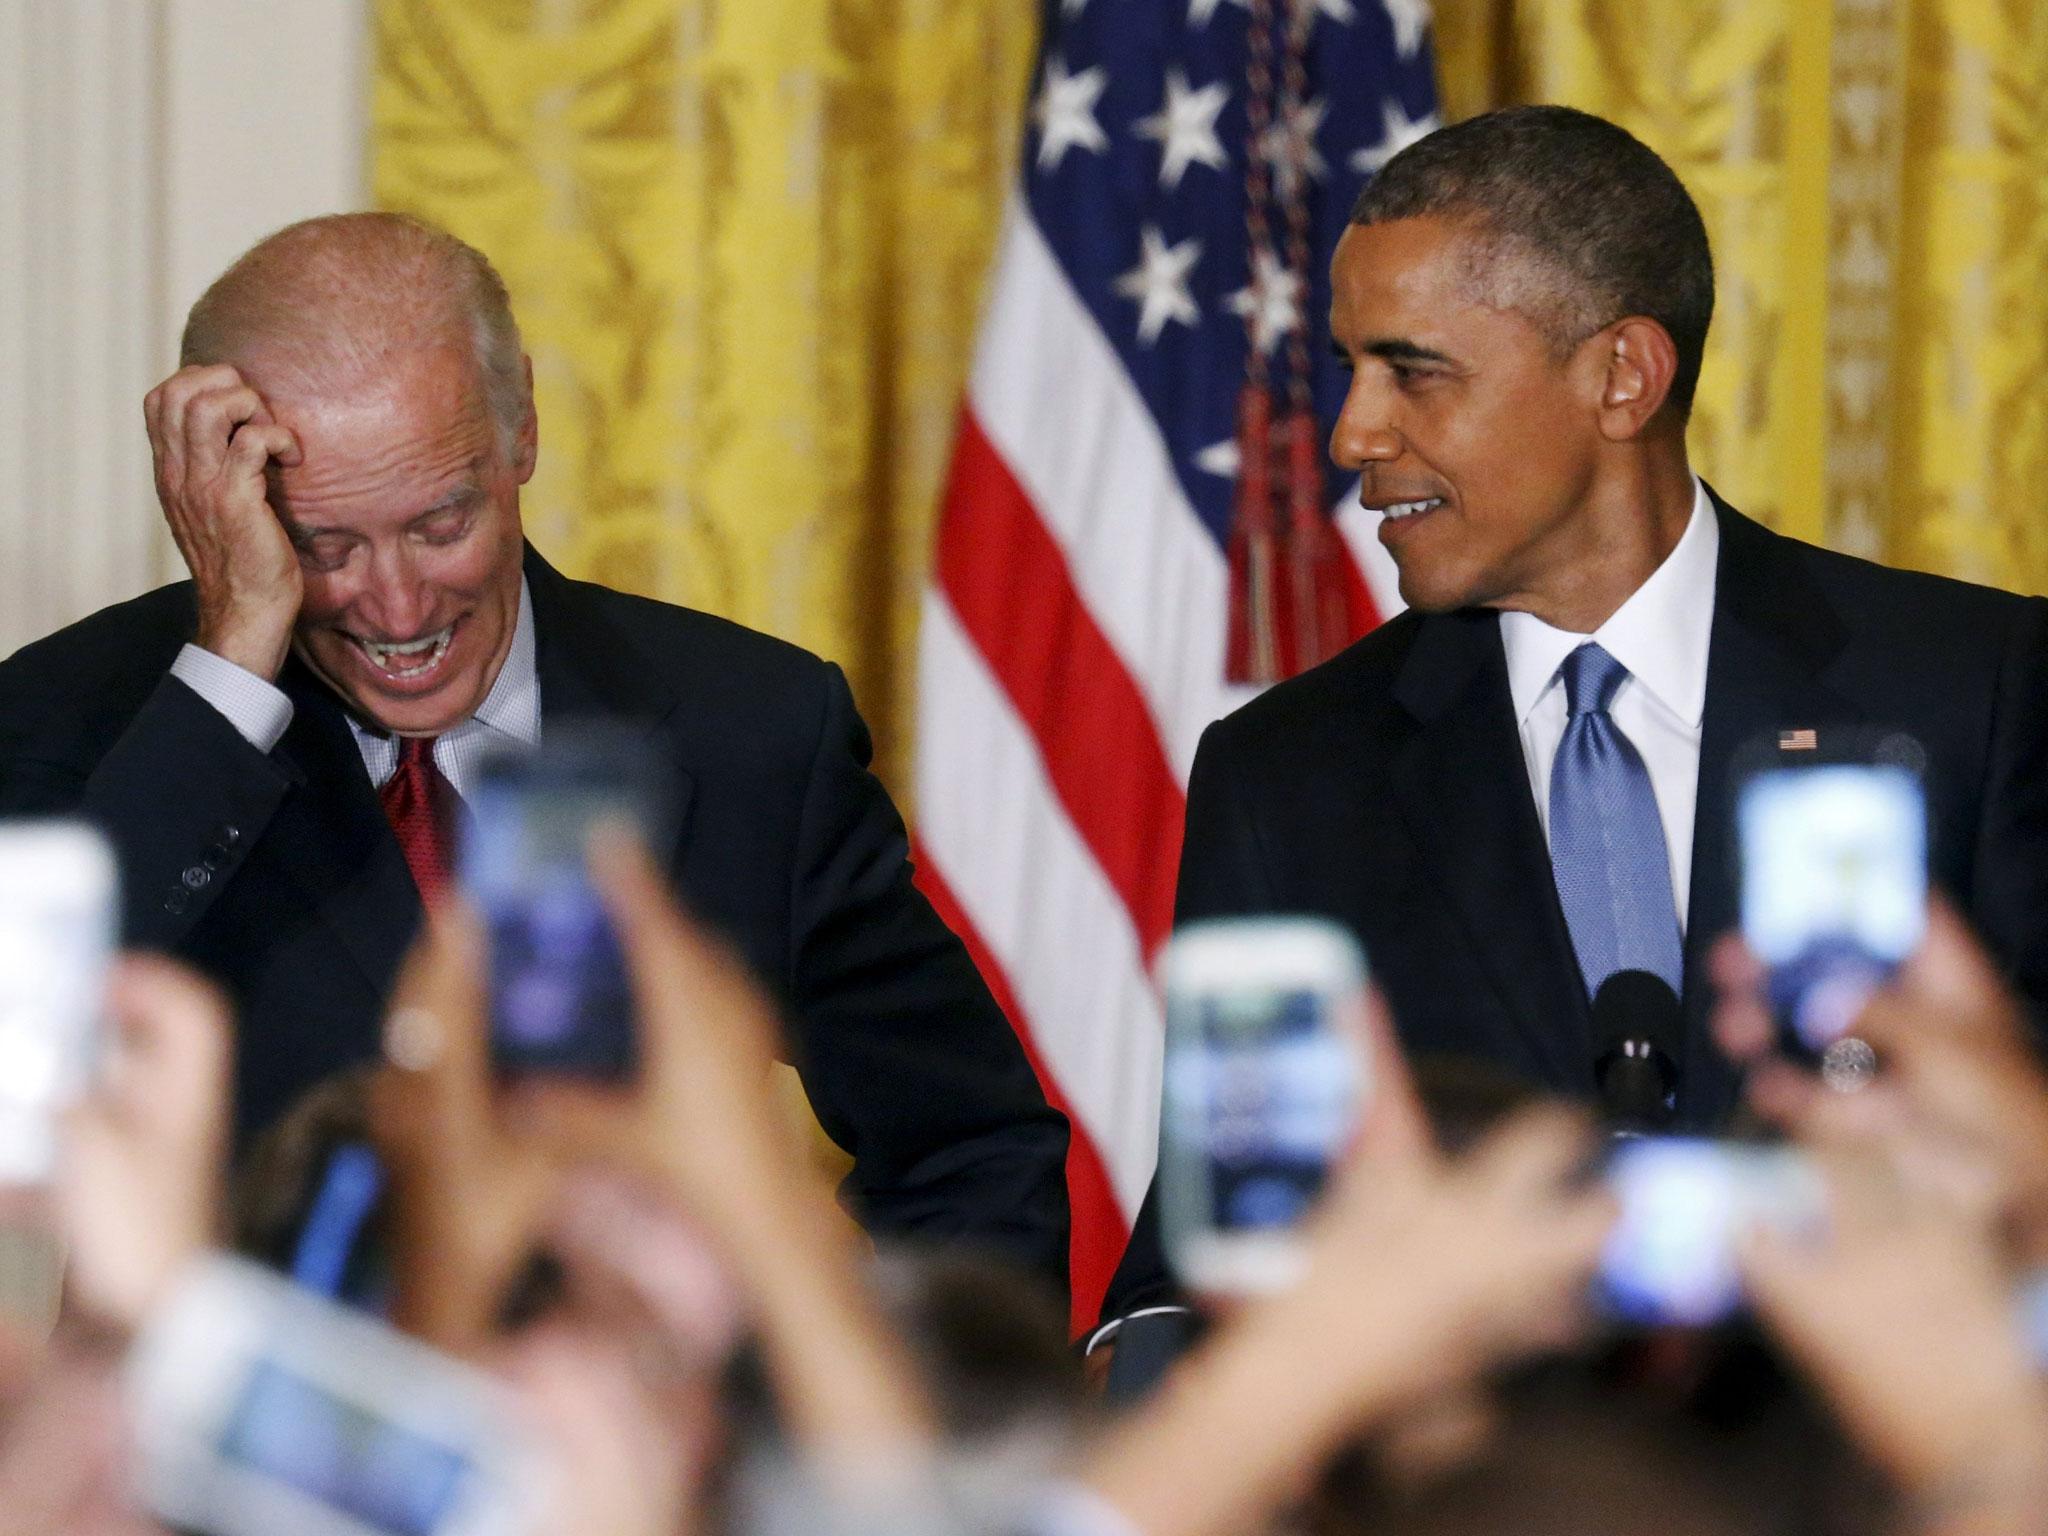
{"points": [[212, 438]]}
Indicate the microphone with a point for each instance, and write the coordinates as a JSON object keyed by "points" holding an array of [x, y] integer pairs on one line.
{"points": [[1638, 1037]]}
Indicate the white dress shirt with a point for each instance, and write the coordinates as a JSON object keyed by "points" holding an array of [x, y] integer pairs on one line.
{"points": [[1660, 634], [261, 711]]}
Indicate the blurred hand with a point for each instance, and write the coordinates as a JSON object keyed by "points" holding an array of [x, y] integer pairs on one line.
{"points": [[1468, 1263], [1903, 1314], [1959, 1079], [701, 1116], [628, 1457], [140, 1183], [212, 439], [469, 1195], [701, 1124]]}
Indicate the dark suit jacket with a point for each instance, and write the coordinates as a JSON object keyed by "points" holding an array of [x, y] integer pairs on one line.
{"points": [[1387, 789], [278, 875]]}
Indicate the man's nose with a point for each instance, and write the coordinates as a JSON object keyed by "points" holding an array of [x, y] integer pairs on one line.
{"points": [[1357, 441], [397, 601]]}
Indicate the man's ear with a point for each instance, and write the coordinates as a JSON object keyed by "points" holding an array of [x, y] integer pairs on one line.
{"points": [[526, 442], [1638, 361]]}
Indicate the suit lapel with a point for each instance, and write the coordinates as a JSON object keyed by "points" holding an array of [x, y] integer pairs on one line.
{"points": [[1463, 787], [335, 840], [591, 672], [1774, 635]]}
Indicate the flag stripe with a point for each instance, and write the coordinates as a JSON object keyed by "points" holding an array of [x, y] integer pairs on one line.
{"points": [[1010, 586], [1097, 1245], [1063, 938], [1088, 454]]}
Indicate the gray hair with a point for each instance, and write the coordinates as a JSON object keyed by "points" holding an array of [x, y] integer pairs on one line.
{"points": [[332, 300], [1581, 225]]}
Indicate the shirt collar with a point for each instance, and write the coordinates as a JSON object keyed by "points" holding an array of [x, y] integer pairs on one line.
{"points": [[512, 707], [1660, 634]]}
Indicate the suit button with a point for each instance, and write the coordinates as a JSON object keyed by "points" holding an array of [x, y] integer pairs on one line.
{"points": [[228, 835], [196, 877], [177, 900]]}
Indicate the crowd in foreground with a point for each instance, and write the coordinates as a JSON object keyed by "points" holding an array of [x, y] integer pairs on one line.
{"points": [[672, 1328]]}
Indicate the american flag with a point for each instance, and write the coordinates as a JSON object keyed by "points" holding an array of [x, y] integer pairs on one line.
{"points": [[1074, 632]]}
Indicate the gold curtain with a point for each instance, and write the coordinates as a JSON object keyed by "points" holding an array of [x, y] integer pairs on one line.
{"points": [[1874, 174], [746, 243]]}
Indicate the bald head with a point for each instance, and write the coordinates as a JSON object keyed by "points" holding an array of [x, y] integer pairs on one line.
{"points": [[327, 306]]}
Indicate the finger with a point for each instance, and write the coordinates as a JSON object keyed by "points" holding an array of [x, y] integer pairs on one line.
{"points": [[441, 995], [174, 1038], [177, 393], [577, 1123], [1534, 1153], [253, 446], [210, 420], [1953, 980], [1742, 1024], [1396, 1128]]}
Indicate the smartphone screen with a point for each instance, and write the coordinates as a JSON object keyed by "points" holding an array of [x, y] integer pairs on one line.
{"points": [[57, 922], [1834, 889], [1670, 1260], [342, 1455], [560, 997], [1264, 1076]]}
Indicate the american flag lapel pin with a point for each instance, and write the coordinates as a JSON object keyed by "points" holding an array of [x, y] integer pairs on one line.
{"points": [[1798, 741]]}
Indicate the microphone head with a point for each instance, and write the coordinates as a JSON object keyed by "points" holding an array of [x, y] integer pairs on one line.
{"points": [[1636, 1005], [1638, 1041]]}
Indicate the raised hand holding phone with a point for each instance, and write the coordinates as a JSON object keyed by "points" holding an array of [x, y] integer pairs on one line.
{"points": [[212, 438]]}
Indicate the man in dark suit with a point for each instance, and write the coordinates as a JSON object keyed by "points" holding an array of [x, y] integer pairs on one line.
{"points": [[1525, 783], [277, 747]]}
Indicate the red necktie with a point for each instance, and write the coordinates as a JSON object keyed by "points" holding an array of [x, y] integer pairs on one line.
{"points": [[420, 804]]}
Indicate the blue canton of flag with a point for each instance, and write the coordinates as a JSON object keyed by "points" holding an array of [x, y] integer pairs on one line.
{"points": [[1135, 169]]}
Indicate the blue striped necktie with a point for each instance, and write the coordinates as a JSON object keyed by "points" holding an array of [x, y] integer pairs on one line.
{"points": [[1607, 850]]}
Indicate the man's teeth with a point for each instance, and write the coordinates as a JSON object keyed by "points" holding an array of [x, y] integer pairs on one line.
{"points": [[1410, 508], [435, 646]]}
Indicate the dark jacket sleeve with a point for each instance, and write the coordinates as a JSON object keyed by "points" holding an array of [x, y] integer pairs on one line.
{"points": [[1221, 875], [180, 793], [909, 1063], [2008, 897]]}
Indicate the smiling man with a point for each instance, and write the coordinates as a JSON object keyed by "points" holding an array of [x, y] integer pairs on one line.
{"points": [[1524, 784], [278, 746]]}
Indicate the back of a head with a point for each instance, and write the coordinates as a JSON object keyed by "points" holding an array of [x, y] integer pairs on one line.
{"points": [[326, 304], [1581, 223]]}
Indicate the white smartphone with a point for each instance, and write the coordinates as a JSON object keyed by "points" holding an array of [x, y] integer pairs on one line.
{"points": [[1834, 890], [1266, 1077], [58, 912], [1670, 1260], [261, 1407]]}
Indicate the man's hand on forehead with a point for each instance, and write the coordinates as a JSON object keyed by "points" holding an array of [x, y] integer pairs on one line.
{"points": [[213, 441]]}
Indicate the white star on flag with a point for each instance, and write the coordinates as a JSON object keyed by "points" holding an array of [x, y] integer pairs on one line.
{"points": [[1219, 459], [1065, 113], [1411, 22], [1199, 11], [1186, 124], [1071, 7], [1272, 299], [1398, 132], [1282, 142], [1159, 283], [1339, 11]]}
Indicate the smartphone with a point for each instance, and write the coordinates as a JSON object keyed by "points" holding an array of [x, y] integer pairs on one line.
{"points": [[1670, 1260], [1265, 1079], [1834, 892], [259, 1407], [58, 913], [560, 998]]}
